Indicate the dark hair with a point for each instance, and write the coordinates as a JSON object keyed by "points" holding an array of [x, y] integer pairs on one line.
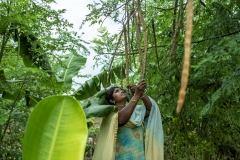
{"points": [[109, 93]]}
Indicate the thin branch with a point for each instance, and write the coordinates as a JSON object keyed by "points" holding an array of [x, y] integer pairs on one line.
{"points": [[174, 16], [123, 19], [10, 113], [155, 42], [175, 35], [4, 42], [2, 47], [136, 51], [110, 66], [167, 45], [216, 37], [106, 14], [116, 8], [167, 9], [202, 3]]}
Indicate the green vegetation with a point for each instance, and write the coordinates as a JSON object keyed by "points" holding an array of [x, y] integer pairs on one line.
{"points": [[39, 56]]}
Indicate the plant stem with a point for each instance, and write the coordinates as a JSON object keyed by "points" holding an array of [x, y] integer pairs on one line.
{"points": [[14, 103]]}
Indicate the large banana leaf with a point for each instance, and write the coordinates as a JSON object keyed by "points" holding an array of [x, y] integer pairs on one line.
{"points": [[88, 89], [56, 130], [73, 64], [98, 107], [99, 110], [92, 86]]}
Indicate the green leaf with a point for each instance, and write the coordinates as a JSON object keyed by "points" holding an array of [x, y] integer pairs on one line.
{"points": [[102, 101], [2, 77], [92, 86], [33, 101], [86, 104], [101, 93], [4, 24], [12, 96], [89, 123], [73, 64], [103, 78], [98, 107], [0, 133], [112, 77], [205, 109], [86, 90], [29, 51], [56, 130], [96, 110], [120, 71]]}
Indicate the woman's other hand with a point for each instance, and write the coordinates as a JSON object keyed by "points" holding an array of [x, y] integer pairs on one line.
{"points": [[132, 88], [140, 88]]}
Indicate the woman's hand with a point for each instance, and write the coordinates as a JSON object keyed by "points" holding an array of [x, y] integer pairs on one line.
{"points": [[138, 89], [132, 88]]}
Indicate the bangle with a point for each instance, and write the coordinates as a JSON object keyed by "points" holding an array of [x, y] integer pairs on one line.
{"points": [[143, 96], [133, 100]]}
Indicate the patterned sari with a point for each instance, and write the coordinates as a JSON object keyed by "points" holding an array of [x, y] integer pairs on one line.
{"points": [[139, 139], [130, 142]]}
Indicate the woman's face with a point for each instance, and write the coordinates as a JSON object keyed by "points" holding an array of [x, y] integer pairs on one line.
{"points": [[119, 95]]}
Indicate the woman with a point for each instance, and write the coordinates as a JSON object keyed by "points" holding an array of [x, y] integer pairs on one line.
{"points": [[135, 131]]}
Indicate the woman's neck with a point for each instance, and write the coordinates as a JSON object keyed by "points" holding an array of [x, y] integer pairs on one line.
{"points": [[121, 105]]}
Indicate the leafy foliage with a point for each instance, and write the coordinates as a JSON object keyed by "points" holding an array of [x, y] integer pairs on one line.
{"points": [[35, 41]]}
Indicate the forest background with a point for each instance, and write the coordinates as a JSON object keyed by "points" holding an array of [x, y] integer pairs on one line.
{"points": [[40, 55]]}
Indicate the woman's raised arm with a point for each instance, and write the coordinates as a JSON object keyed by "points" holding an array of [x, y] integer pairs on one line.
{"points": [[125, 114]]}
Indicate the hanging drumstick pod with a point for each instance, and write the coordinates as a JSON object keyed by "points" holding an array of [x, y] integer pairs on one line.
{"points": [[187, 54], [138, 37], [144, 61], [139, 20], [126, 53]]}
